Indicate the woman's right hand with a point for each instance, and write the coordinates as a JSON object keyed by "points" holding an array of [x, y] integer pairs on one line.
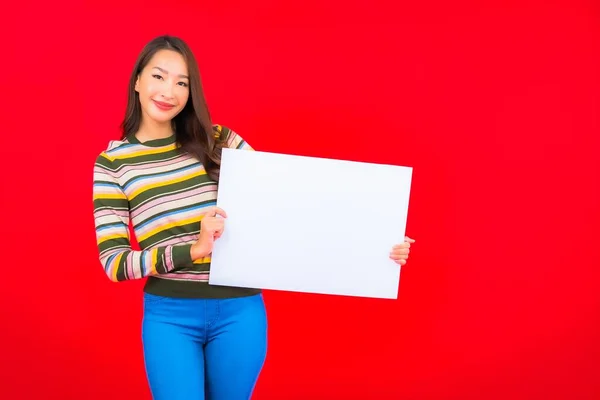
{"points": [[211, 228]]}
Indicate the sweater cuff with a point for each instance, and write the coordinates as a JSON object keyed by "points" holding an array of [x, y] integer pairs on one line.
{"points": [[182, 257]]}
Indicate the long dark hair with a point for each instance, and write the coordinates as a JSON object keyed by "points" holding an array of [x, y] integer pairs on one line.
{"points": [[193, 127]]}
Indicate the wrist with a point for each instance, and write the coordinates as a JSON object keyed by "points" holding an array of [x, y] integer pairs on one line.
{"points": [[197, 251]]}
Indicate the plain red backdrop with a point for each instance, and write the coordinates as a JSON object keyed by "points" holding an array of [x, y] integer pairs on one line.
{"points": [[494, 104]]}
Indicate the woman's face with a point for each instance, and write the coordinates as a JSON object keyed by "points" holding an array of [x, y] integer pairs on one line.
{"points": [[163, 86]]}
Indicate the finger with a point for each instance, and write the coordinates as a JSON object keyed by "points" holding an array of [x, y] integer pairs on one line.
{"points": [[409, 240], [401, 251], [400, 261], [214, 211], [404, 245], [215, 225], [221, 212], [211, 229], [220, 230], [211, 212]]}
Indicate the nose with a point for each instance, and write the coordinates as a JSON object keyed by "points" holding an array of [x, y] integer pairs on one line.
{"points": [[167, 92], [167, 95]]}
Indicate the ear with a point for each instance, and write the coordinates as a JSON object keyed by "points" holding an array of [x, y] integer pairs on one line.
{"points": [[137, 84]]}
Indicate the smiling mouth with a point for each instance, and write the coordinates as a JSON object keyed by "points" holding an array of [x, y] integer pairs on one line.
{"points": [[163, 106]]}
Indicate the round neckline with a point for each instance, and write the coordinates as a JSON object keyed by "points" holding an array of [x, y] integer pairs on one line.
{"points": [[153, 142]]}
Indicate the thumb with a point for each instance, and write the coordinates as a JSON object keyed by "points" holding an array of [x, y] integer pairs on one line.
{"points": [[409, 240]]}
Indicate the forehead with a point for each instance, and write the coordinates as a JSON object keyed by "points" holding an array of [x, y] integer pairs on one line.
{"points": [[169, 60]]}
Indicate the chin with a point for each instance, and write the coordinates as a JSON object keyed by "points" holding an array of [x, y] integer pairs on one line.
{"points": [[161, 116]]}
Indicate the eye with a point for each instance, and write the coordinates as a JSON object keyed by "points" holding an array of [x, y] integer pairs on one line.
{"points": [[157, 76], [183, 84]]}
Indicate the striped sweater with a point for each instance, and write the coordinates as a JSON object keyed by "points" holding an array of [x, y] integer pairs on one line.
{"points": [[160, 192]]}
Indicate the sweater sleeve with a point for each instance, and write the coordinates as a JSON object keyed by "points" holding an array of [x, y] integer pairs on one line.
{"points": [[232, 139], [111, 217]]}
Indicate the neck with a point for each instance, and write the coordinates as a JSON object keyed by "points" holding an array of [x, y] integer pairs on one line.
{"points": [[152, 130]]}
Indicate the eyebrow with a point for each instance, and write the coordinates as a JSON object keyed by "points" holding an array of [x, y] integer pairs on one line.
{"points": [[167, 72]]}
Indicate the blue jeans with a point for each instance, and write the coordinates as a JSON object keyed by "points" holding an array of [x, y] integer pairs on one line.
{"points": [[203, 349]]}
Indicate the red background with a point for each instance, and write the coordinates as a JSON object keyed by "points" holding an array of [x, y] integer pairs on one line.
{"points": [[494, 104]]}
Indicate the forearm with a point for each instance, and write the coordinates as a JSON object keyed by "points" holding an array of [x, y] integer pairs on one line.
{"points": [[111, 217], [122, 263]]}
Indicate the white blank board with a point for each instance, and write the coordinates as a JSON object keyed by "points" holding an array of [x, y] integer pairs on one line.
{"points": [[312, 225]]}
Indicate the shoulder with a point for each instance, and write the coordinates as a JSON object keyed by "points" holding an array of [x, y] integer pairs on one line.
{"points": [[111, 152], [230, 138], [116, 148]]}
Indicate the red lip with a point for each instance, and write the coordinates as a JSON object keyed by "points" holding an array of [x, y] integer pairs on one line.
{"points": [[163, 106]]}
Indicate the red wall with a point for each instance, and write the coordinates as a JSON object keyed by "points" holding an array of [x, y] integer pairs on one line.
{"points": [[495, 106]]}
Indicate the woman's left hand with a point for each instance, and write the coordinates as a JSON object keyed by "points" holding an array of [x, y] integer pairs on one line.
{"points": [[400, 252]]}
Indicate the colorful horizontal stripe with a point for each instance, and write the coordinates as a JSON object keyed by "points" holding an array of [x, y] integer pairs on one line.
{"points": [[162, 193]]}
